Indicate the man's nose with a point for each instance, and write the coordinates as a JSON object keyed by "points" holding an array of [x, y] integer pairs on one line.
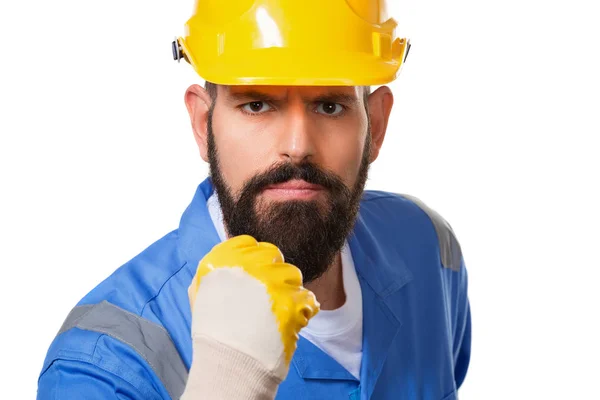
{"points": [[296, 140]]}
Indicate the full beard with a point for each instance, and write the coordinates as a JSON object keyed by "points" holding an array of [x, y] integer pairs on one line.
{"points": [[308, 233]]}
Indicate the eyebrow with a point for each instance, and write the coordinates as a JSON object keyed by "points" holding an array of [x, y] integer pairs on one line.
{"points": [[334, 97], [251, 95], [255, 95]]}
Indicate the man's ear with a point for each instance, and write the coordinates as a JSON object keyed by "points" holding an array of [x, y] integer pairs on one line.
{"points": [[380, 107], [198, 103]]}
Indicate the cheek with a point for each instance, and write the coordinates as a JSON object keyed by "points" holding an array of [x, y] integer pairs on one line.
{"points": [[343, 152], [239, 158]]}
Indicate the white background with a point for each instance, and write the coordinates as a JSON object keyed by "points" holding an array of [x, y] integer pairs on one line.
{"points": [[495, 126]]}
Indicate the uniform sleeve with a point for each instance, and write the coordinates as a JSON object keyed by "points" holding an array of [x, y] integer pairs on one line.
{"points": [[455, 278], [461, 316], [70, 379]]}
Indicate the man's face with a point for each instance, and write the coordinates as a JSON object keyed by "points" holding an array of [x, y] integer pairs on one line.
{"points": [[289, 165]]}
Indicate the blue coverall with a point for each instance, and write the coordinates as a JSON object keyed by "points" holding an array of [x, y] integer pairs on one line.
{"points": [[129, 338]]}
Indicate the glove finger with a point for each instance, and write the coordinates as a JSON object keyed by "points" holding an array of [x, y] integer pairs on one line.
{"points": [[259, 262], [307, 306], [282, 274], [237, 242], [278, 255]]}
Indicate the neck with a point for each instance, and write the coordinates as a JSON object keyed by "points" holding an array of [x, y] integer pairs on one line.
{"points": [[329, 288]]}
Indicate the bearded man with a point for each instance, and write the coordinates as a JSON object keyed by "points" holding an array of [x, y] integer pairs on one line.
{"points": [[285, 277]]}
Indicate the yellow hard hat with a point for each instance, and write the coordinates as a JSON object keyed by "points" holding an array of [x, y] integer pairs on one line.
{"points": [[292, 42]]}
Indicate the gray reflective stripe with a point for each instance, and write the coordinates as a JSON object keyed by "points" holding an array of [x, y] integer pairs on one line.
{"points": [[450, 251], [151, 341]]}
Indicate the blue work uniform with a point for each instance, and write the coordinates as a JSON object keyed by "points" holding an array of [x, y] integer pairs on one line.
{"points": [[129, 338]]}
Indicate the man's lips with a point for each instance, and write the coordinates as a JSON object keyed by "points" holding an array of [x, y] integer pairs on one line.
{"points": [[295, 184], [294, 189]]}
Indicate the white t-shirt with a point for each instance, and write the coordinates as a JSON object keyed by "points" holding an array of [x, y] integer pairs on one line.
{"points": [[337, 332]]}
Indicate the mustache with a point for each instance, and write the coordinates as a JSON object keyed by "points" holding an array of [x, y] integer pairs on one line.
{"points": [[308, 172]]}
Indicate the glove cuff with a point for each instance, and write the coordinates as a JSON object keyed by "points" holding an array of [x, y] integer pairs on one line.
{"points": [[220, 372]]}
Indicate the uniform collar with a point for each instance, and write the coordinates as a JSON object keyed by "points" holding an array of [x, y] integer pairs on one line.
{"points": [[382, 272], [381, 268], [197, 233]]}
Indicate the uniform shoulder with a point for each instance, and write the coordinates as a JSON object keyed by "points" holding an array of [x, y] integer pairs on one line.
{"points": [[397, 207], [140, 279], [389, 200], [120, 327]]}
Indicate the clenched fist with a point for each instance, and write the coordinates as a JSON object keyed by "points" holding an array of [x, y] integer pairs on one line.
{"points": [[248, 307]]}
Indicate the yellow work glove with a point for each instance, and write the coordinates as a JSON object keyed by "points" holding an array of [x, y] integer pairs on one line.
{"points": [[248, 307]]}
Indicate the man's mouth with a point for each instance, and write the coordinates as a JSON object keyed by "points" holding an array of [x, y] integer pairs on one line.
{"points": [[295, 189]]}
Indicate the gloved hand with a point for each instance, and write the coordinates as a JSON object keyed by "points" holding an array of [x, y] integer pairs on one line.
{"points": [[248, 307]]}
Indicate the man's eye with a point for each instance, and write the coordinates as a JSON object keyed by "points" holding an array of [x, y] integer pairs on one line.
{"points": [[332, 109], [256, 107]]}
